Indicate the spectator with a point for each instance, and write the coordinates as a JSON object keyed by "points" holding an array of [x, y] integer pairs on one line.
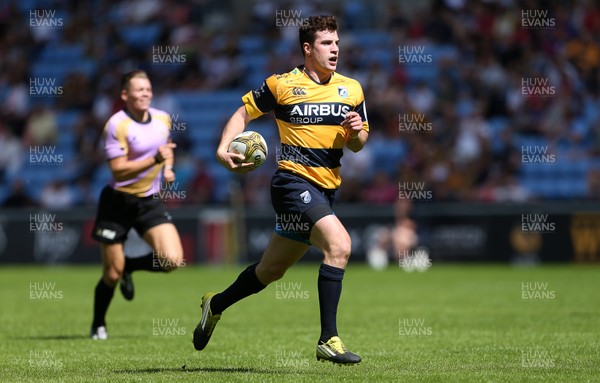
{"points": [[41, 127], [381, 189], [11, 153], [481, 54], [18, 197], [201, 188], [57, 195]]}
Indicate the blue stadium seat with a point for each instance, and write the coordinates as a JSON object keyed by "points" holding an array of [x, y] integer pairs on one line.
{"points": [[57, 71], [549, 188], [256, 63], [62, 53], [384, 57], [195, 102], [52, 70], [202, 152], [141, 36], [4, 192], [255, 80], [581, 167], [372, 39], [205, 130], [66, 120], [425, 73], [250, 45], [221, 181], [534, 186], [580, 187]]}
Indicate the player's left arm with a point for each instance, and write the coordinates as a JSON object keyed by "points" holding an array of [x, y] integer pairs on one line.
{"points": [[168, 173], [357, 126]]}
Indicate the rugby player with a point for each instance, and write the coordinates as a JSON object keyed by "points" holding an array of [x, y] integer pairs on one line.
{"points": [[318, 112], [140, 153]]}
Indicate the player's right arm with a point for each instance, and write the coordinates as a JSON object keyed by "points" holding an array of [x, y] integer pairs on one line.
{"points": [[236, 125], [256, 103]]}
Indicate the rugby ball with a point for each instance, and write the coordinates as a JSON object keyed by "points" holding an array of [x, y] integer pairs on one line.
{"points": [[252, 146]]}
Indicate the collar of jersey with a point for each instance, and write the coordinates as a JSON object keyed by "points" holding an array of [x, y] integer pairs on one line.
{"points": [[301, 69], [128, 113]]}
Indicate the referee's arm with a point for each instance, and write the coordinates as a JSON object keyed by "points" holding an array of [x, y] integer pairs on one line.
{"points": [[124, 169]]}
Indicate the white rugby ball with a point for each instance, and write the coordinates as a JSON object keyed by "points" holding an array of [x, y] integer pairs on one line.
{"points": [[252, 146]]}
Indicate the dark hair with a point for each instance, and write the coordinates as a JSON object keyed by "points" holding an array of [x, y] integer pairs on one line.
{"points": [[315, 24], [129, 75]]}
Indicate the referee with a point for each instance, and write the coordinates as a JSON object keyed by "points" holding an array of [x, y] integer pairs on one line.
{"points": [[140, 153], [318, 113]]}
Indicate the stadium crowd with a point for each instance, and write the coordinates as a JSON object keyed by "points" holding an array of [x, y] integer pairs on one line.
{"points": [[461, 72]]}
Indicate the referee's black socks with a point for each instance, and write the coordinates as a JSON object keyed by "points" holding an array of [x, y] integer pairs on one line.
{"points": [[102, 297], [148, 262], [246, 284], [330, 290]]}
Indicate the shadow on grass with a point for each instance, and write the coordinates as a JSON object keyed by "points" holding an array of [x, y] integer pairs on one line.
{"points": [[64, 337], [235, 370], [52, 337]]}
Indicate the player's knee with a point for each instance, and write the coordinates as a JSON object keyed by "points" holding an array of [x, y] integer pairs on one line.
{"points": [[338, 251], [112, 275], [172, 260]]}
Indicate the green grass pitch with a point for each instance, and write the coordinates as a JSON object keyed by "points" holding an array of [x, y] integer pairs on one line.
{"points": [[454, 323]]}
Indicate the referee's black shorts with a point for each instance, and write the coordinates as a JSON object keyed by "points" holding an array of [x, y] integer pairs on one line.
{"points": [[118, 212], [298, 205]]}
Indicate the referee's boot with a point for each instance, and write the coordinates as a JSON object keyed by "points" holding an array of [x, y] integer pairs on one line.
{"points": [[207, 324], [126, 285], [99, 333], [334, 351]]}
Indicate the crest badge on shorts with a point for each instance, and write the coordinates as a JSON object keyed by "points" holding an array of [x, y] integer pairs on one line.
{"points": [[305, 196], [343, 91]]}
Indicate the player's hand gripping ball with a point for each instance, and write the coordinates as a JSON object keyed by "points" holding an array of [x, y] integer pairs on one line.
{"points": [[252, 146]]}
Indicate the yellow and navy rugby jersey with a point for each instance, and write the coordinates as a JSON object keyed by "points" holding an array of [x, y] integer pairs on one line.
{"points": [[308, 116]]}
